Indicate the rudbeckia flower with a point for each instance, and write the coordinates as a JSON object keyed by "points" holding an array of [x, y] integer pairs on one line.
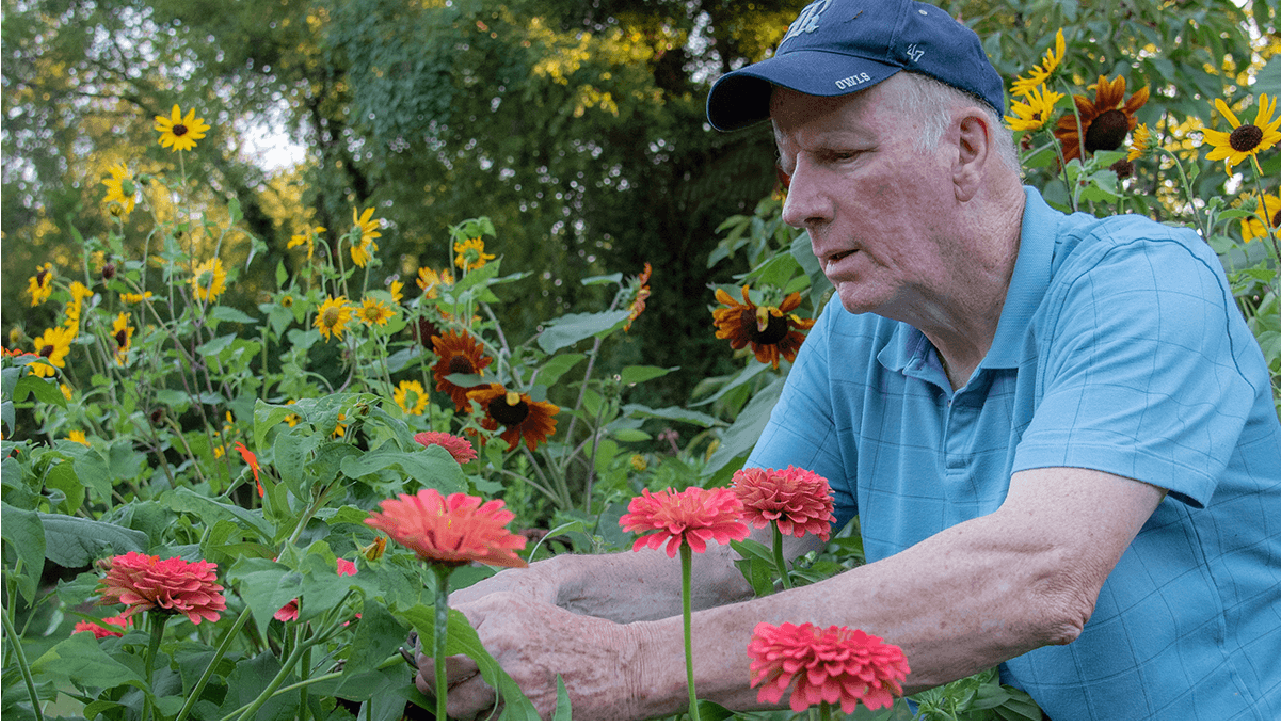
{"points": [[1246, 139], [413, 404], [209, 280], [1039, 74], [362, 250], [374, 312], [1266, 216], [122, 334], [1104, 122], [53, 346], [520, 415], [40, 285], [79, 293], [1140, 144], [333, 316], [1034, 112], [461, 353], [397, 290], [773, 333], [471, 254], [307, 238], [179, 132], [120, 187], [77, 437]]}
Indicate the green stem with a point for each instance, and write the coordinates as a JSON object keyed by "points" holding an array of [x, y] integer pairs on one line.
{"points": [[268, 692], [779, 562], [438, 642], [824, 711], [15, 642], [217, 658], [304, 670], [156, 621], [687, 565]]}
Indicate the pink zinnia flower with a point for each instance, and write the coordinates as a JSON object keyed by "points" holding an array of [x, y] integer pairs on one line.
{"points": [[459, 448], [691, 516], [799, 501], [451, 531], [289, 611], [173, 585], [109, 626], [832, 664]]}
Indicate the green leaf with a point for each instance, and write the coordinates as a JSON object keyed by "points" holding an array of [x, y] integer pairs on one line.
{"points": [[227, 313], [73, 542], [265, 586], [557, 366], [640, 374], [433, 467], [739, 438], [603, 279], [378, 635], [185, 500], [44, 391], [574, 327], [672, 413], [564, 711], [282, 274], [80, 660], [23, 530]]}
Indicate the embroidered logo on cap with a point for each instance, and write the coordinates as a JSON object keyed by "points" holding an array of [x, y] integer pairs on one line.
{"points": [[807, 21]]}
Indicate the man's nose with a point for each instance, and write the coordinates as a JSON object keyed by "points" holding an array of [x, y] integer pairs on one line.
{"points": [[806, 203]]}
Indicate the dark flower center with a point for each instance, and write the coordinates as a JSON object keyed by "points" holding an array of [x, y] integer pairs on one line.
{"points": [[508, 415], [122, 338], [1246, 138], [108, 271], [426, 329], [287, 301], [775, 328], [46, 351], [1123, 168], [157, 416], [460, 364], [1276, 220], [330, 317], [1107, 132], [40, 277], [179, 129]]}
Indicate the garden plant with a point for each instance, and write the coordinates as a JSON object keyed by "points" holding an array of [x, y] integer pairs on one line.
{"points": [[214, 512]]}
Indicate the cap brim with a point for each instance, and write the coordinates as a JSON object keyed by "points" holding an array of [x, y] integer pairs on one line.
{"points": [[741, 98]]}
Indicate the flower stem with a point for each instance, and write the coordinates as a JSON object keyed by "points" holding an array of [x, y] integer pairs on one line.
{"points": [[779, 561], [687, 564], [217, 658], [156, 621], [824, 711], [439, 637], [15, 642]]}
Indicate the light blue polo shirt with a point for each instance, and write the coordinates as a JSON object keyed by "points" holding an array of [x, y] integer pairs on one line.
{"points": [[1120, 349]]}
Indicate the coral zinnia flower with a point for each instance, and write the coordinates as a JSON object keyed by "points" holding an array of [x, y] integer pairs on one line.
{"points": [[1246, 139], [642, 294], [289, 611], [458, 353], [471, 254], [1035, 112], [40, 285], [459, 448], [173, 586], [415, 404], [306, 238], [182, 133], [1104, 122], [53, 346], [209, 280], [120, 187], [692, 516], [252, 459], [429, 280], [374, 312], [773, 332], [835, 664], [799, 501], [109, 626], [363, 250], [518, 413], [451, 531], [333, 316], [122, 334], [1266, 215], [1037, 76]]}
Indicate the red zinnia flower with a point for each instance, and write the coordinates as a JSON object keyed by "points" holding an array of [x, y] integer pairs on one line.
{"points": [[451, 531], [173, 585], [289, 611], [252, 459], [110, 626], [459, 448], [832, 664], [691, 516], [799, 501]]}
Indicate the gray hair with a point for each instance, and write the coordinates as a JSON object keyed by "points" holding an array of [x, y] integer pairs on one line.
{"points": [[929, 102]]}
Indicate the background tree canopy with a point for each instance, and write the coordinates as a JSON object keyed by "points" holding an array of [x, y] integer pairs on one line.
{"points": [[577, 125]]}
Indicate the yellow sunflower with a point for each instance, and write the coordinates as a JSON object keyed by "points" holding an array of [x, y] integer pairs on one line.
{"points": [[293, 418], [179, 132], [363, 249], [397, 290], [209, 280], [306, 238], [471, 254], [77, 437], [1140, 144], [122, 333], [1246, 139], [79, 293], [411, 397], [519, 414], [135, 297], [773, 333], [1104, 122], [374, 312], [333, 317], [1267, 216], [1037, 76], [120, 187], [429, 281], [40, 285], [53, 346], [458, 353], [1033, 114], [340, 429]]}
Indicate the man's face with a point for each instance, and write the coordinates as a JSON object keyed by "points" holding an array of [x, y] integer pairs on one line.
{"points": [[877, 209]]}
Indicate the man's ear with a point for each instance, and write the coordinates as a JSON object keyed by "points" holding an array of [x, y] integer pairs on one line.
{"points": [[974, 141]]}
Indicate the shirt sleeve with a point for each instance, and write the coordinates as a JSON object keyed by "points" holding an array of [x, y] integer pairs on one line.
{"points": [[1141, 348]]}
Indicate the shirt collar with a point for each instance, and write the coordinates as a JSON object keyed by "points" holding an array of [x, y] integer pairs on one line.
{"points": [[1028, 282]]}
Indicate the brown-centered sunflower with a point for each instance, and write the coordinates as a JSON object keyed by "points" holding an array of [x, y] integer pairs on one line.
{"points": [[773, 333], [179, 132], [411, 397], [362, 248], [1105, 121], [519, 414], [120, 187], [1246, 139], [459, 352], [40, 285], [122, 334], [53, 346], [333, 316], [1253, 226], [374, 312]]}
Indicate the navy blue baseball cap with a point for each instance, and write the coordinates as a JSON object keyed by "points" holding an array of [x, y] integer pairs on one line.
{"points": [[836, 47]]}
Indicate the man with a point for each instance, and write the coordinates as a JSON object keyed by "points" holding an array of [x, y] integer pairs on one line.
{"points": [[1057, 430]]}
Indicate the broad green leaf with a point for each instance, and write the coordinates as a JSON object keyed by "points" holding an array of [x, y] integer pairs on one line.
{"points": [[640, 374], [378, 635], [574, 327], [557, 366], [672, 413], [564, 711], [227, 313], [630, 435], [24, 531], [72, 541], [186, 500], [433, 467], [80, 660], [44, 391], [603, 279], [216, 346], [739, 438], [265, 586]]}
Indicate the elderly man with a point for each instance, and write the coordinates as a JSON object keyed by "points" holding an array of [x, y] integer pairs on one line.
{"points": [[1057, 430]]}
